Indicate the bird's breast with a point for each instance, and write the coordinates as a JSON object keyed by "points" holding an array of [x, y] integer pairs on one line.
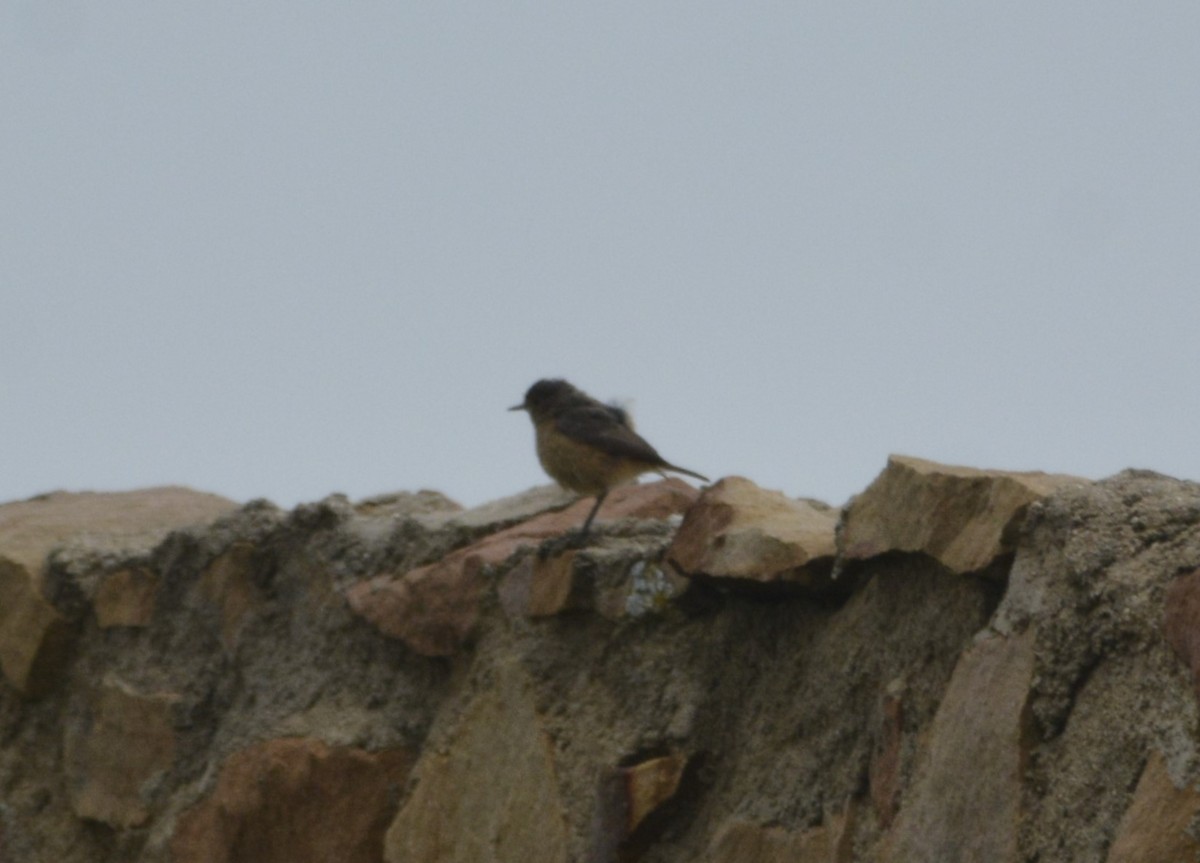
{"points": [[580, 467]]}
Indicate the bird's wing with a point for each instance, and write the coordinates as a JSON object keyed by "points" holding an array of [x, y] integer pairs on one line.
{"points": [[606, 428]]}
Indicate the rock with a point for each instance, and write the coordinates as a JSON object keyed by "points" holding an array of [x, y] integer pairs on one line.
{"points": [[739, 532], [293, 799], [116, 521], [650, 784], [35, 640], [740, 841], [555, 586], [35, 636], [626, 797], [498, 514], [433, 609], [228, 582], [624, 581], [884, 770], [1093, 566], [489, 794], [1156, 825], [422, 505], [1181, 622], [962, 517], [117, 752], [125, 597], [965, 802]]}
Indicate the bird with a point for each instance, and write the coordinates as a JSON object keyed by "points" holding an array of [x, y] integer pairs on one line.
{"points": [[587, 446]]}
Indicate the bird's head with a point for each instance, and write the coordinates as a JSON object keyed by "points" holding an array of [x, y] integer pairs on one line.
{"points": [[549, 396]]}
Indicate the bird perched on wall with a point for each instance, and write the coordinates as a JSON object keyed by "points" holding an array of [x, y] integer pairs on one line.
{"points": [[587, 446]]}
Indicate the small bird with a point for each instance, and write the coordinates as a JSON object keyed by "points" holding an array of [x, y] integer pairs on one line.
{"points": [[587, 446]]}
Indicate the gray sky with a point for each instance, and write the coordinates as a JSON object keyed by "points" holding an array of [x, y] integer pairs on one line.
{"points": [[285, 249]]}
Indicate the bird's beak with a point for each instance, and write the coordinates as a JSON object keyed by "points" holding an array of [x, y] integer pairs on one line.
{"points": [[517, 408]]}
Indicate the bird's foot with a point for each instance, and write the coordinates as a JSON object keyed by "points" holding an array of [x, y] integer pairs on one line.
{"points": [[569, 541]]}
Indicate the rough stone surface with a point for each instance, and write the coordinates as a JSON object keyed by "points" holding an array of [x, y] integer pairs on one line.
{"points": [[455, 815], [741, 532], [649, 784], [115, 521], [1053, 691], [292, 800], [962, 517], [434, 609], [1156, 825], [34, 635], [1090, 579], [884, 773], [117, 751], [1181, 621], [228, 583], [743, 842], [125, 597], [626, 580], [964, 803]]}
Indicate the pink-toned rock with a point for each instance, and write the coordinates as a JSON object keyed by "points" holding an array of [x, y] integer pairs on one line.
{"points": [[739, 531], [1155, 826], [1181, 622], [433, 609], [34, 636], [491, 792], [294, 799], [740, 841], [962, 517], [124, 743], [125, 597], [964, 803]]}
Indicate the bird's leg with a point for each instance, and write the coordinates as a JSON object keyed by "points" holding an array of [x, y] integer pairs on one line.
{"points": [[587, 522], [573, 538]]}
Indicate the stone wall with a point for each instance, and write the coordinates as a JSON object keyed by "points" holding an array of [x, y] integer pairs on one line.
{"points": [[962, 665]]}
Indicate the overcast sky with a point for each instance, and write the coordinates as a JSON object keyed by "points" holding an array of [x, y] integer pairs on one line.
{"points": [[281, 250]]}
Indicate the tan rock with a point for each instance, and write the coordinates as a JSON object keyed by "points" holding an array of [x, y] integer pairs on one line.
{"points": [[34, 637], [737, 530], [739, 841], [30, 529], [490, 795], [433, 609], [1155, 827], [113, 758], [626, 797], [964, 803], [650, 784], [294, 799], [555, 586], [125, 597], [35, 640], [228, 582], [962, 517]]}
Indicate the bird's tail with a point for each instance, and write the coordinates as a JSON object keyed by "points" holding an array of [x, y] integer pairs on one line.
{"points": [[684, 470]]}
